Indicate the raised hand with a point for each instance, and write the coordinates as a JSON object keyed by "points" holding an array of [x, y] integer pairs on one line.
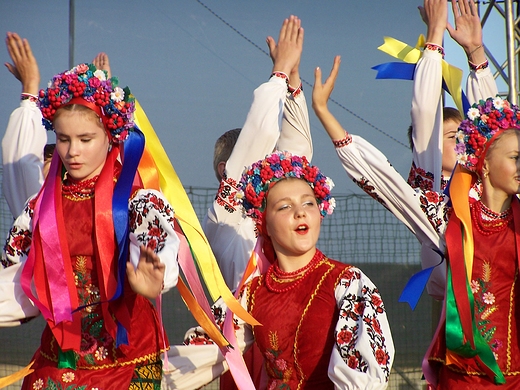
{"points": [[468, 29], [286, 53], [435, 14], [147, 278], [320, 95], [101, 62], [24, 66]]}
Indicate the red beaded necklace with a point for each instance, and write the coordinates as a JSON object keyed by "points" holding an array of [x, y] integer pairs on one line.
{"points": [[275, 276], [487, 221], [79, 189]]}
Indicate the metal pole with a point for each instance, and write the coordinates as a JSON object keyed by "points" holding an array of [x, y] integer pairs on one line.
{"points": [[71, 33], [511, 55]]}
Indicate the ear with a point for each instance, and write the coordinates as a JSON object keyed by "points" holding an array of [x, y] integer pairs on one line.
{"points": [[485, 170], [221, 168]]}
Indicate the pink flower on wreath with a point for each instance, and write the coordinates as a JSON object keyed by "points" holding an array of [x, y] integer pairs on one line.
{"points": [[82, 68]]}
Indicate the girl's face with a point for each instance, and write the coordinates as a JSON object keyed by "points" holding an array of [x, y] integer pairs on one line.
{"points": [[502, 165], [449, 157], [82, 144], [292, 218]]}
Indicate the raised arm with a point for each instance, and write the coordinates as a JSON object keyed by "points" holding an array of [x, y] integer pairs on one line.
{"points": [[295, 135], [232, 237], [25, 136], [468, 34], [427, 105]]}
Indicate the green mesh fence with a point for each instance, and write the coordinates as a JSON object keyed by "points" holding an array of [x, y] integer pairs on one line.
{"points": [[360, 232]]}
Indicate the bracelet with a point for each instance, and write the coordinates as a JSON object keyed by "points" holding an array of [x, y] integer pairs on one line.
{"points": [[474, 50], [29, 96], [342, 142], [295, 91], [475, 67], [282, 75], [434, 47]]}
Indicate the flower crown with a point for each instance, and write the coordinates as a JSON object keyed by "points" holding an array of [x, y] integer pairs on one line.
{"points": [[257, 179], [115, 104], [484, 120]]}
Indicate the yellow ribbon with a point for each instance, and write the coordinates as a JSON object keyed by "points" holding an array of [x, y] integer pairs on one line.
{"points": [[176, 195], [16, 376], [452, 75]]}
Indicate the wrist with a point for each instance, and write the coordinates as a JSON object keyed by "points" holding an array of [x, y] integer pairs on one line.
{"points": [[434, 47], [339, 143], [29, 96]]}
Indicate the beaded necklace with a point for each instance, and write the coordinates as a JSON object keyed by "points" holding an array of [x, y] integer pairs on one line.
{"points": [[487, 221], [79, 190], [275, 276]]}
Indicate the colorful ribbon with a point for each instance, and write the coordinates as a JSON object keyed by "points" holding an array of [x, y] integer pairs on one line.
{"points": [[176, 195], [452, 76]]}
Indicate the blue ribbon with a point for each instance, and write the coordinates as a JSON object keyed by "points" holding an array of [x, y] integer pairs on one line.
{"points": [[395, 70], [417, 283], [406, 71], [132, 152]]}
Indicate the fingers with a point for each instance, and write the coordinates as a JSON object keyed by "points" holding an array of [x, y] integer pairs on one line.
{"points": [[335, 70], [317, 78], [271, 44]]}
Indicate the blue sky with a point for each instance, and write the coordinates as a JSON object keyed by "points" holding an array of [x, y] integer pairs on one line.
{"points": [[194, 75]]}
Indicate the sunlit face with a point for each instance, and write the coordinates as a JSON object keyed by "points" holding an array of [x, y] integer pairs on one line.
{"points": [[292, 218], [449, 157], [82, 144], [501, 169]]}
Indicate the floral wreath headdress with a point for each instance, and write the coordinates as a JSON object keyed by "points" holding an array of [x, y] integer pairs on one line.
{"points": [[86, 85], [484, 122], [262, 175]]}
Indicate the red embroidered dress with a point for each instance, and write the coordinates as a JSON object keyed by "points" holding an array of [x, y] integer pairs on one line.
{"points": [[99, 363], [495, 292]]}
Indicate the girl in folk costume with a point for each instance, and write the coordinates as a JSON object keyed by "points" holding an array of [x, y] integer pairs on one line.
{"points": [[94, 245], [476, 345], [324, 325]]}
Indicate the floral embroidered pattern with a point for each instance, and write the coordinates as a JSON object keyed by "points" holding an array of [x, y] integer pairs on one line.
{"points": [[226, 194], [66, 383], [154, 236], [17, 244], [363, 183], [276, 367], [431, 204], [485, 307], [356, 310], [419, 178]]}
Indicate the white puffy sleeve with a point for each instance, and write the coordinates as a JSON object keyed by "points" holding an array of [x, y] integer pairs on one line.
{"points": [[295, 136], [152, 225], [364, 350], [22, 155], [427, 122], [423, 212], [15, 307], [201, 361], [480, 85], [230, 234]]}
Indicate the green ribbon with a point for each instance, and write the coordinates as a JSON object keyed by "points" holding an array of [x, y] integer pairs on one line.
{"points": [[455, 337], [67, 359]]}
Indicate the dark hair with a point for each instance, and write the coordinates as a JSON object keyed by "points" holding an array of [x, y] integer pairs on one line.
{"points": [[448, 114], [223, 148], [48, 151]]}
